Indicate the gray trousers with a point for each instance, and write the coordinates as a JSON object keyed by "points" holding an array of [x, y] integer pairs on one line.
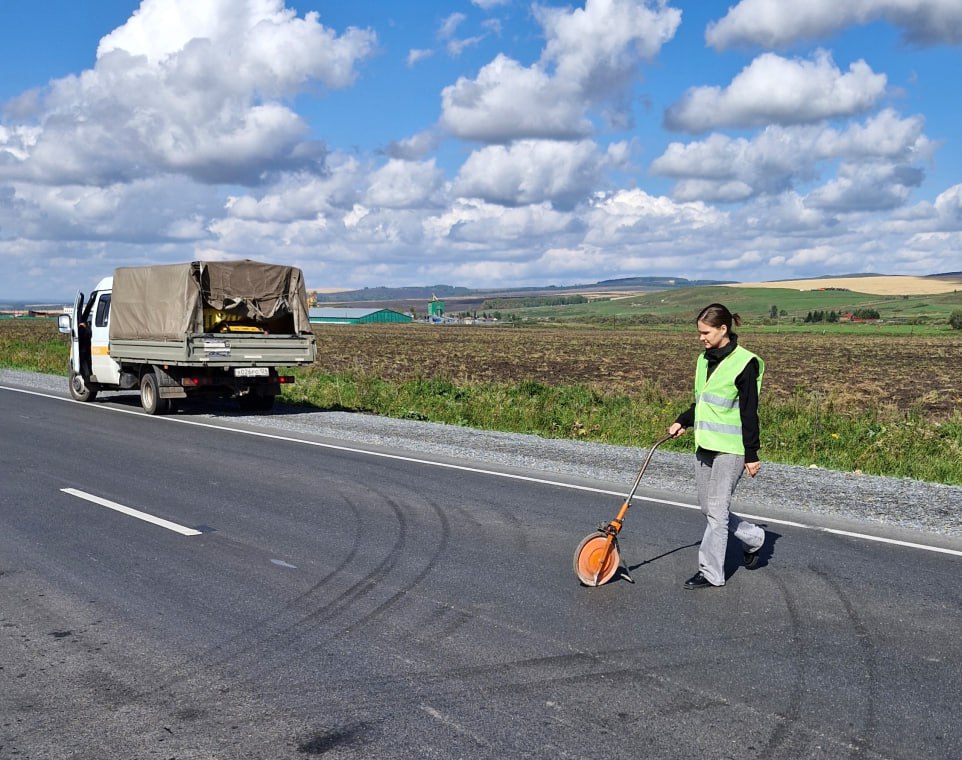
{"points": [[716, 476]]}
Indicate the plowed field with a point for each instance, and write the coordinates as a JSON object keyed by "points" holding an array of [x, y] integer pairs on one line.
{"points": [[853, 372]]}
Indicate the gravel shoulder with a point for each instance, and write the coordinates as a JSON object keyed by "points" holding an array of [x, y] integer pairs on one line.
{"points": [[782, 490]]}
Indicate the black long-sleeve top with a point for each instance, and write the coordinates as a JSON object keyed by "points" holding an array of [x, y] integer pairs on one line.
{"points": [[747, 385]]}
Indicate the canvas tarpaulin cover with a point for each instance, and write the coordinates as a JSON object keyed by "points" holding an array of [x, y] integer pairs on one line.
{"points": [[167, 302]]}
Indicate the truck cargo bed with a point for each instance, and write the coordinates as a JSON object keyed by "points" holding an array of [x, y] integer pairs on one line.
{"points": [[218, 350]]}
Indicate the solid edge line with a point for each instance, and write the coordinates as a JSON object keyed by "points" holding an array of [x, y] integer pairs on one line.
{"points": [[512, 476], [132, 512]]}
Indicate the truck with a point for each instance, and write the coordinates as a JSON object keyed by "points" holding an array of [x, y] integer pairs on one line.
{"points": [[204, 329]]}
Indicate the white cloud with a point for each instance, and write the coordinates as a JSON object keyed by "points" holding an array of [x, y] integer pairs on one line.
{"points": [[489, 227], [885, 135], [450, 25], [785, 214], [775, 23], [592, 55], [415, 56], [146, 211], [531, 171], [860, 187], [189, 89], [949, 206], [599, 46], [405, 184], [414, 147], [457, 46], [776, 90], [508, 101], [626, 213], [298, 197], [722, 168]]}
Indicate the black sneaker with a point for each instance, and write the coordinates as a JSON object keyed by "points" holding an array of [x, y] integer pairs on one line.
{"points": [[698, 581], [751, 557]]}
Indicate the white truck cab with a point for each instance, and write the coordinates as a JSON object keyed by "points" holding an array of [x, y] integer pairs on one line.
{"points": [[90, 362]]}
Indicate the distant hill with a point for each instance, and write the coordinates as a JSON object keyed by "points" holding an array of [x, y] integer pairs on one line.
{"points": [[414, 292], [660, 282], [422, 292]]}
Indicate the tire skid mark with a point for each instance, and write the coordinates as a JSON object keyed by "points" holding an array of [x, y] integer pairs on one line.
{"points": [[297, 617], [778, 744], [294, 633], [864, 737], [440, 547], [268, 628], [472, 677], [455, 622], [260, 631], [547, 674], [515, 527]]}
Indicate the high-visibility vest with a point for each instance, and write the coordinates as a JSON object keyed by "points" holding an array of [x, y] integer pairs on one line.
{"points": [[718, 422]]}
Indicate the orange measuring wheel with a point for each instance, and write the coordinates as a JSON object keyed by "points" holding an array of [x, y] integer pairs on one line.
{"points": [[596, 559]]}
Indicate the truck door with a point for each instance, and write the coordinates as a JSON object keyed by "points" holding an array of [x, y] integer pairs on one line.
{"points": [[105, 370], [75, 357]]}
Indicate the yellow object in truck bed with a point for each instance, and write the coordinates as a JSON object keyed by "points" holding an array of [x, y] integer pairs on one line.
{"points": [[227, 321]]}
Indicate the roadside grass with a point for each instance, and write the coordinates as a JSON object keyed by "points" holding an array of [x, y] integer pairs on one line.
{"points": [[804, 430], [33, 345], [828, 429]]}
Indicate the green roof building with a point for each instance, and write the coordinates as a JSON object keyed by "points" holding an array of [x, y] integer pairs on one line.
{"points": [[336, 316]]}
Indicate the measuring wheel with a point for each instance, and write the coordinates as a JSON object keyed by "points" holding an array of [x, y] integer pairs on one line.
{"points": [[596, 559]]}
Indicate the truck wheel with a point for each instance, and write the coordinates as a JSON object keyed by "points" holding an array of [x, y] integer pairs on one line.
{"points": [[150, 398], [80, 390]]}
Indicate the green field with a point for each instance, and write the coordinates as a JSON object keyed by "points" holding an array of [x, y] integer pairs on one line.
{"points": [[899, 314]]}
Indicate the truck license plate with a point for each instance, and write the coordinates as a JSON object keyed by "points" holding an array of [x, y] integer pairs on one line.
{"points": [[251, 372]]}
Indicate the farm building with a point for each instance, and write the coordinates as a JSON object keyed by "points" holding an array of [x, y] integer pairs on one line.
{"points": [[331, 315]]}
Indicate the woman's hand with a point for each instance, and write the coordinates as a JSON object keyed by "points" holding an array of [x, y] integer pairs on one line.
{"points": [[675, 430], [752, 468]]}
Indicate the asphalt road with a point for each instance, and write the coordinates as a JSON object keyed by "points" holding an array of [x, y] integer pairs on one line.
{"points": [[327, 602]]}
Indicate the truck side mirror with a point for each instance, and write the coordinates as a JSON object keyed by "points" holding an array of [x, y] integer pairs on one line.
{"points": [[63, 323]]}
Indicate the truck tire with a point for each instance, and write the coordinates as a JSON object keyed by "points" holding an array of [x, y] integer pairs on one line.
{"points": [[150, 398], [80, 389]]}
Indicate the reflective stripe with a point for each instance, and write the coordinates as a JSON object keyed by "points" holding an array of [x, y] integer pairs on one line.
{"points": [[711, 398], [718, 427]]}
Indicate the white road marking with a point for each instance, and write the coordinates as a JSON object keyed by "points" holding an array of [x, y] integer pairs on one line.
{"points": [[510, 476], [132, 512]]}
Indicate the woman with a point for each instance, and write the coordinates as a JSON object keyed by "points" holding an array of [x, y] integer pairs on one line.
{"points": [[728, 379]]}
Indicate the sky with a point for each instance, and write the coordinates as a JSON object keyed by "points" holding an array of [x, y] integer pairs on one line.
{"points": [[479, 143]]}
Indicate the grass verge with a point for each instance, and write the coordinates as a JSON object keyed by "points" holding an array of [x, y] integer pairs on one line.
{"points": [[804, 430]]}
